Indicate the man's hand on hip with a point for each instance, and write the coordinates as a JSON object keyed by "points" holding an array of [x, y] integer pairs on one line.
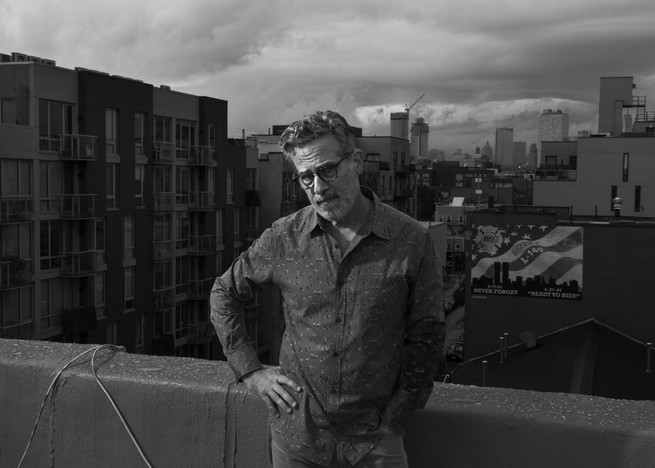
{"points": [[273, 388]]}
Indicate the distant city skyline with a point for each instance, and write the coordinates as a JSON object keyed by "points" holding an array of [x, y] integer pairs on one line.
{"points": [[480, 65]]}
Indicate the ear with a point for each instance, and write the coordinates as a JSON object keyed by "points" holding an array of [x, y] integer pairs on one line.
{"points": [[357, 158]]}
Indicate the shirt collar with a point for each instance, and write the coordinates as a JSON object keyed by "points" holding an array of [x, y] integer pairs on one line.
{"points": [[378, 221]]}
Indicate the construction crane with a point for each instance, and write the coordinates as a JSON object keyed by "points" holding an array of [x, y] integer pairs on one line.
{"points": [[408, 108]]}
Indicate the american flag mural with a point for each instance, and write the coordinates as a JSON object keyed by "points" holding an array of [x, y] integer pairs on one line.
{"points": [[527, 260]]}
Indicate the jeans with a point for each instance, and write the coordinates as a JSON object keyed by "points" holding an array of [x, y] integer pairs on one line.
{"points": [[388, 453]]}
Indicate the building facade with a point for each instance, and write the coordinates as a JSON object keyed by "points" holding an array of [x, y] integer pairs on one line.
{"points": [[588, 174], [119, 204], [553, 126], [420, 133], [504, 151]]}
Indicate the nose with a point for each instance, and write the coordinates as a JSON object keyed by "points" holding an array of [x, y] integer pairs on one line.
{"points": [[319, 185]]}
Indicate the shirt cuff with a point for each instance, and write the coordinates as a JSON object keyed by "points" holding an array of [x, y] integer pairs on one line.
{"points": [[243, 361]]}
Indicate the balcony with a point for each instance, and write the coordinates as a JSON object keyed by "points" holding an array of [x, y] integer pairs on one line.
{"points": [[200, 333], [163, 202], [15, 272], [78, 148], [78, 206], [78, 264], [162, 153], [200, 289], [163, 299], [461, 425], [201, 201], [201, 245], [17, 330], [163, 250], [562, 173], [202, 156], [15, 209]]}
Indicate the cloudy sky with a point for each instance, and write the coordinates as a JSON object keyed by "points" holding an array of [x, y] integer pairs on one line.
{"points": [[481, 64]]}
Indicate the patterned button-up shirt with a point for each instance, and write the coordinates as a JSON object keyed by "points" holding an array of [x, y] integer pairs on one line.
{"points": [[364, 328]]}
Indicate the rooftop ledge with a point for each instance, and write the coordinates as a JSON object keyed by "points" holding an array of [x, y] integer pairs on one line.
{"points": [[189, 412]]}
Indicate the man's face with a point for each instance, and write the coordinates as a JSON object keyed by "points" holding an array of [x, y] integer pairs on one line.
{"points": [[334, 199]]}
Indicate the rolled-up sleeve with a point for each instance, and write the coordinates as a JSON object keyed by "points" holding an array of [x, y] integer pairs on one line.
{"points": [[231, 294]]}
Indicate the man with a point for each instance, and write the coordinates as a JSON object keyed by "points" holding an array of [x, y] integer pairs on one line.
{"points": [[362, 292]]}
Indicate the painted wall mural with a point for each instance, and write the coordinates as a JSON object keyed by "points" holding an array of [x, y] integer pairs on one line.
{"points": [[529, 260]]}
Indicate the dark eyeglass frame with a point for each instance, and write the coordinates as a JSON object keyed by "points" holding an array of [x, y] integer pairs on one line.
{"points": [[325, 173]]}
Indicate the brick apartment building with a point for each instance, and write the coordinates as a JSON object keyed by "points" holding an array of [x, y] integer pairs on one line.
{"points": [[120, 202]]}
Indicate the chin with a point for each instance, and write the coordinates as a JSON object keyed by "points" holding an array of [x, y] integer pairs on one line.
{"points": [[333, 212]]}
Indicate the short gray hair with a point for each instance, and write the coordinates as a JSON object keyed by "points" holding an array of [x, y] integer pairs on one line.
{"points": [[314, 126]]}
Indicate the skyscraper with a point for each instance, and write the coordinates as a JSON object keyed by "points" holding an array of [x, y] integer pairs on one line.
{"points": [[504, 152], [520, 152], [419, 144], [553, 126], [399, 125]]}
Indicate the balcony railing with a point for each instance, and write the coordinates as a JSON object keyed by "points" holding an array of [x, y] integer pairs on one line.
{"points": [[163, 250], [200, 289], [201, 201], [201, 245], [163, 201], [76, 264], [15, 209], [162, 153], [202, 156], [78, 206], [15, 272], [200, 333], [163, 299], [78, 148], [556, 174], [17, 330]]}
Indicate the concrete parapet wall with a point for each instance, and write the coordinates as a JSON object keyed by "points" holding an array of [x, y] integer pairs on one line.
{"points": [[188, 412]]}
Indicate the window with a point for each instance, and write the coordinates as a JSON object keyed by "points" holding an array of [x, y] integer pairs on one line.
{"points": [[237, 224], [111, 132], [139, 133], [613, 194], [128, 287], [181, 274], [50, 180], [211, 135], [17, 313], [181, 185], [128, 237], [51, 244], [181, 319], [138, 334], [99, 295], [55, 119], [114, 333], [162, 322], [111, 186], [162, 229], [140, 179], [229, 184], [219, 226], [182, 227], [219, 262], [8, 111], [626, 166], [251, 179], [162, 129], [161, 179], [638, 206], [99, 227], [185, 138]]}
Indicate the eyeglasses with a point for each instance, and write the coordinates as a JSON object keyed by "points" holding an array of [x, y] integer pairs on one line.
{"points": [[325, 173]]}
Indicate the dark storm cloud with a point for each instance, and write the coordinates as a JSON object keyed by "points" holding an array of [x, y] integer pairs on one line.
{"points": [[480, 64]]}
